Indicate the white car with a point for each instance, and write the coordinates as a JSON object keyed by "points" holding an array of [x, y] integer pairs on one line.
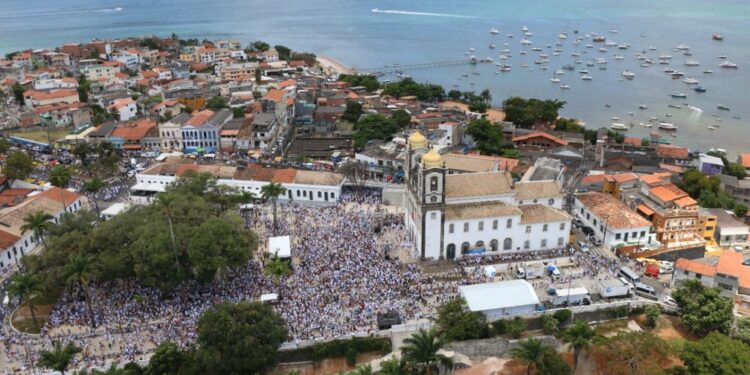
{"points": [[670, 301]]}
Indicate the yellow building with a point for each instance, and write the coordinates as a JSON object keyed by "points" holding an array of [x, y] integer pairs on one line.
{"points": [[706, 224]]}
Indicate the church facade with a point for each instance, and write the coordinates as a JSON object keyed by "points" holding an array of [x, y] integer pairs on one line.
{"points": [[465, 207]]}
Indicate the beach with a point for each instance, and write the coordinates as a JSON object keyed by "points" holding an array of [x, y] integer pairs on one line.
{"points": [[331, 65]]}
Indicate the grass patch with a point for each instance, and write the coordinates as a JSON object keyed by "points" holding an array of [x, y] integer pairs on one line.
{"points": [[49, 297], [41, 135], [611, 326], [26, 325]]}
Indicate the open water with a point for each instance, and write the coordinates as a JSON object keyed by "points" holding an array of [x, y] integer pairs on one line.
{"points": [[420, 31]]}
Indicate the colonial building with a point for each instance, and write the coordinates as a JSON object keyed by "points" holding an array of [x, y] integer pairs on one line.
{"points": [[461, 214]]}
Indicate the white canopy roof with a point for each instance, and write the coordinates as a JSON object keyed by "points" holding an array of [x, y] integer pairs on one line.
{"points": [[269, 297], [499, 295], [115, 209], [280, 246], [571, 292]]}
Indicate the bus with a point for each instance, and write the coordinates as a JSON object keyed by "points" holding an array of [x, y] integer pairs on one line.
{"points": [[629, 275]]}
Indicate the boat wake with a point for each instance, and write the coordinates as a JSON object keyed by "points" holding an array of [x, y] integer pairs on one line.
{"points": [[423, 14], [64, 12]]}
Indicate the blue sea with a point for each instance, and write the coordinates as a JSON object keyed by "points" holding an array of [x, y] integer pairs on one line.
{"points": [[420, 31]]}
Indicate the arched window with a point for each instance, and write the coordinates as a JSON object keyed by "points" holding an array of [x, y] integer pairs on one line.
{"points": [[479, 244], [493, 245], [507, 244], [509, 223], [464, 247], [433, 183]]}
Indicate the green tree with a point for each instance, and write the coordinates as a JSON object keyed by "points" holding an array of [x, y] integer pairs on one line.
{"points": [[488, 135], [25, 287], [260, 46], [420, 352], [165, 201], [271, 192], [401, 118], [393, 366], [703, 309], [645, 142], [168, 359], [716, 354], [369, 82], [562, 316], [516, 326], [740, 210], [652, 314], [38, 223], [240, 338], [454, 95], [736, 170], [18, 166], [59, 357], [554, 364], [549, 324], [18, 91], [217, 102], [486, 96], [284, 52], [532, 353], [407, 87], [374, 126], [277, 268], [580, 336], [363, 370], [5, 145], [78, 272], [60, 178], [528, 113], [457, 323], [92, 187], [84, 87], [215, 246], [631, 353], [352, 112]]}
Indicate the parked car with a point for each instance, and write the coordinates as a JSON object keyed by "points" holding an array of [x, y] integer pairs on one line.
{"points": [[595, 241], [587, 230], [670, 301], [583, 246]]}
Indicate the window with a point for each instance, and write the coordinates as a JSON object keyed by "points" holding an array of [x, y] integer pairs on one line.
{"points": [[535, 200], [544, 227], [617, 236], [581, 210], [433, 215], [528, 229], [562, 226], [634, 235], [298, 193], [509, 223], [526, 244], [560, 241], [450, 228], [507, 244], [479, 244], [320, 194], [643, 233], [551, 201], [493, 245], [698, 276], [466, 227], [433, 183], [494, 224], [595, 222], [544, 243], [481, 226], [464, 247], [588, 217]]}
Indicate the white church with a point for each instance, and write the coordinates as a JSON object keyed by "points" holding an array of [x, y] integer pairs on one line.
{"points": [[464, 205]]}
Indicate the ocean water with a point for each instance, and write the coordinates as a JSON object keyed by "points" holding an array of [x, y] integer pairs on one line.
{"points": [[420, 31]]}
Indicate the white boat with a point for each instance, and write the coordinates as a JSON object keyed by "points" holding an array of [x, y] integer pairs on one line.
{"points": [[583, 71], [614, 31], [610, 44], [562, 36], [728, 64], [554, 80], [667, 126], [509, 35], [524, 28], [564, 87], [619, 126], [692, 63], [503, 57], [494, 31], [642, 106], [602, 50], [708, 71], [615, 118], [623, 46], [618, 57], [628, 74], [722, 56], [586, 77], [665, 57], [471, 50], [492, 46], [528, 33], [525, 41], [690, 81], [682, 47], [711, 128], [652, 48], [559, 72]]}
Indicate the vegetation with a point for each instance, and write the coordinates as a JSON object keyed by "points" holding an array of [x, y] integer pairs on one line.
{"points": [[370, 82], [374, 126], [407, 87], [549, 324], [271, 192], [536, 355], [562, 316], [632, 353], [353, 112], [18, 91], [284, 52], [99, 159], [217, 102], [516, 326], [734, 169], [59, 357], [420, 352], [18, 166], [401, 117], [309, 58], [703, 309], [707, 191], [457, 323], [488, 135], [580, 336], [38, 223], [25, 287], [84, 87], [77, 274], [92, 187], [138, 245], [716, 354], [169, 359], [652, 314], [527, 113]]}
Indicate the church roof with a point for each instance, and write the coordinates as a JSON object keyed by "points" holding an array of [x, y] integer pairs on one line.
{"points": [[533, 190], [477, 184], [538, 213], [480, 210]]}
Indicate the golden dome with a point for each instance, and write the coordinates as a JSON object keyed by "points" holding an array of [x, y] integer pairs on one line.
{"points": [[432, 160], [417, 140]]}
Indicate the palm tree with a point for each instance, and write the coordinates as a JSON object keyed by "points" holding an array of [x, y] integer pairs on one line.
{"points": [[579, 336], [59, 357], [272, 192], [166, 202], [363, 370], [37, 222], [25, 286], [532, 353], [420, 350], [277, 268], [393, 366], [92, 187], [78, 272], [486, 96], [60, 178]]}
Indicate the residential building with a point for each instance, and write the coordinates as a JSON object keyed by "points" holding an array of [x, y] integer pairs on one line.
{"points": [[229, 132], [739, 189], [706, 224], [545, 169], [265, 129], [201, 132], [539, 140], [125, 107], [238, 71], [101, 70], [673, 155], [710, 165], [33, 98], [613, 223], [170, 132], [731, 233], [725, 272], [167, 109], [383, 159], [133, 136], [743, 159], [456, 215]]}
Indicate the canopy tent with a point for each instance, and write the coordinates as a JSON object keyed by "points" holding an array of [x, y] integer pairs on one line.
{"points": [[280, 247], [490, 271], [269, 297]]}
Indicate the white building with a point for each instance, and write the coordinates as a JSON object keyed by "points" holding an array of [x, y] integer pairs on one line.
{"points": [[455, 215], [301, 185], [170, 132], [500, 299], [613, 222], [125, 107]]}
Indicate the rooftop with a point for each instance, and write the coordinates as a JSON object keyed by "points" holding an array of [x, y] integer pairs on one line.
{"points": [[503, 294], [617, 214], [526, 191], [477, 184], [539, 213], [480, 210]]}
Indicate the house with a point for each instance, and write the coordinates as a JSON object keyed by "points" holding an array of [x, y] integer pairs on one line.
{"points": [[706, 224], [739, 189], [126, 108], [265, 128], [170, 132], [539, 140], [102, 132], [101, 70], [167, 108], [238, 71], [230, 131], [613, 223], [34, 98], [500, 299], [201, 132], [744, 160], [725, 272], [731, 233], [673, 155], [383, 159], [710, 165], [131, 136]]}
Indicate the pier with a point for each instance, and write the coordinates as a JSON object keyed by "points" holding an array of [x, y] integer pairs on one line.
{"points": [[387, 69]]}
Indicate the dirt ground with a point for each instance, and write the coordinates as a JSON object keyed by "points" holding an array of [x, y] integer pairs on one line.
{"points": [[326, 366]]}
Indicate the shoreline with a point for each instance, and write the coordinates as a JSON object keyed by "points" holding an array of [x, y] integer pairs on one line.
{"points": [[330, 64]]}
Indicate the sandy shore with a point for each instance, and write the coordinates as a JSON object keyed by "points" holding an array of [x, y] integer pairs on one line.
{"points": [[331, 65]]}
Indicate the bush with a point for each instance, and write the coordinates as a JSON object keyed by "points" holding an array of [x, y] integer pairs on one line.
{"points": [[562, 316], [342, 348], [652, 313], [458, 324], [499, 327], [619, 311], [516, 327], [549, 324], [351, 356]]}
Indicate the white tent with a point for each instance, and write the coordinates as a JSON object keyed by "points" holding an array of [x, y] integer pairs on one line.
{"points": [[490, 271], [280, 246], [269, 297]]}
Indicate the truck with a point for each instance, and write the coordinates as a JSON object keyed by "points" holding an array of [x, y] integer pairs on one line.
{"points": [[614, 288], [570, 297], [531, 271]]}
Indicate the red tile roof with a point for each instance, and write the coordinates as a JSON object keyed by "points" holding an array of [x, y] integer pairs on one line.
{"points": [[284, 175], [274, 95], [134, 131], [693, 266], [540, 134], [669, 151], [745, 160], [200, 118], [57, 194], [7, 240]]}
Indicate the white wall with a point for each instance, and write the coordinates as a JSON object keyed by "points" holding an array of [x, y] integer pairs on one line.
{"points": [[600, 226]]}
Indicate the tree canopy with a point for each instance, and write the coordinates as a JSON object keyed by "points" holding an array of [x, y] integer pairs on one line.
{"points": [[526, 113], [707, 191], [488, 135], [457, 323], [703, 309], [374, 126], [716, 354], [370, 82], [18, 166], [353, 112], [631, 353], [408, 87]]}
